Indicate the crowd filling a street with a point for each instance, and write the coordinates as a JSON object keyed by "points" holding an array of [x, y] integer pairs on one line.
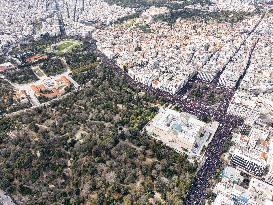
{"points": [[215, 71]]}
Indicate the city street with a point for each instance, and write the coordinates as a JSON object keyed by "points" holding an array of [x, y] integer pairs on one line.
{"points": [[136, 102]]}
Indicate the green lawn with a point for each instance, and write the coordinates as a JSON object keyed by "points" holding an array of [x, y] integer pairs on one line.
{"points": [[64, 46]]}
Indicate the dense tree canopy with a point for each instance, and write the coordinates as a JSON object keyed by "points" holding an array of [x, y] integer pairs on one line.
{"points": [[91, 148]]}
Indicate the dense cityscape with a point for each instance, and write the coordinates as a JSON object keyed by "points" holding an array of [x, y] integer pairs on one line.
{"points": [[136, 102]]}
